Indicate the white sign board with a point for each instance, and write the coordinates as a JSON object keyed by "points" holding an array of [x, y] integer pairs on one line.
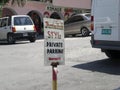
{"points": [[54, 41]]}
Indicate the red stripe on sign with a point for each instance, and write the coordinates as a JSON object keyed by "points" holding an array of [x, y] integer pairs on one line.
{"points": [[55, 58]]}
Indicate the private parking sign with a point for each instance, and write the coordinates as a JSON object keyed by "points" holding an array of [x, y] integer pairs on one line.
{"points": [[54, 41]]}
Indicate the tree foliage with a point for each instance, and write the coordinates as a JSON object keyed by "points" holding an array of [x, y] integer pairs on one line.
{"points": [[4, 1], [18, 2]]}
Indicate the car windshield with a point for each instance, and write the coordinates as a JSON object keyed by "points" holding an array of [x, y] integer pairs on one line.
{"points": [[22, 21], [88, 16]]}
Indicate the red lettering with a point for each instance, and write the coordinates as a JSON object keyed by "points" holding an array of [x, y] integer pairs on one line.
{"points": [[53, 34], [47, 23], [49, 34], [55, 59]]}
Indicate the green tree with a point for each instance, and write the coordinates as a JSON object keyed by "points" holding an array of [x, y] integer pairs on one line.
{"points": [[18, 2], [4, 1]]}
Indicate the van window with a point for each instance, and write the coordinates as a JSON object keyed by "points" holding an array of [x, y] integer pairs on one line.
{"points": [[4, 22], [88, 16], [22, 21], [74, 19]]}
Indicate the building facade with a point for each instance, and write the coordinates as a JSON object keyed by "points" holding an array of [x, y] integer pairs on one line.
{"points": [[38, 9]]}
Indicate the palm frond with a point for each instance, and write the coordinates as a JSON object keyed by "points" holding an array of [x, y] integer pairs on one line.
{"points": [[20, 3]]}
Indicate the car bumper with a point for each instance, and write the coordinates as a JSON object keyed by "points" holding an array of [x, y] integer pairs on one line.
{"points": [[25, 35]]}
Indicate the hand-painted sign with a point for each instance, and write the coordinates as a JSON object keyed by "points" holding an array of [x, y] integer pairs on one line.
{"points": [[54, 41]]}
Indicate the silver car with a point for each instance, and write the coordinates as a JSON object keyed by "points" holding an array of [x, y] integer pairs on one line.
{"points": [[78, 24]]}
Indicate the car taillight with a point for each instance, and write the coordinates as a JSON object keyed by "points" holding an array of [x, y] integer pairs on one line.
{"points": [[13, 29], [34, 28], [92, 23]]}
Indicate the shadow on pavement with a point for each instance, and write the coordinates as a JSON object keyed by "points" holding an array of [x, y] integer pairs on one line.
{"points": [[117, 88], [17, 43], [40, 37], [76, 36], [21, 41], [103, 66]]}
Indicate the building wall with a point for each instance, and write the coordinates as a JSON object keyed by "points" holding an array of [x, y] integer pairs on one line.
{"points": [[71, 5], [37, 10], [33, 5], [84, 4]]}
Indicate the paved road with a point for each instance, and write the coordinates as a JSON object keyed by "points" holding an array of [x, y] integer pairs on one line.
{"points": [[22, 67]]}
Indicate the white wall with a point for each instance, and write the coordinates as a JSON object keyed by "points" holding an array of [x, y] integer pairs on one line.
{"points": [[85, 4]]}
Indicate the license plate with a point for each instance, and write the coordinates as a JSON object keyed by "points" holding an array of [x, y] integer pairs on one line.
{"points": [[25, 34], [106, 31]]}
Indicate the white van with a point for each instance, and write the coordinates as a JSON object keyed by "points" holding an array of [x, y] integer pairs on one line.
{"points": [[17, 27], [106, 26]]}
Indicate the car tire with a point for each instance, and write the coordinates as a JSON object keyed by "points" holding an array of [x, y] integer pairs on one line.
{"points": [[32, 39], [84, 32], [113, 54], [10, 39], [73, 35]]}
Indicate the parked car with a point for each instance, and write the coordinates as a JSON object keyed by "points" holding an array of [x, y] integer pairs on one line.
{"points": [[78, 24], [17, 27]]}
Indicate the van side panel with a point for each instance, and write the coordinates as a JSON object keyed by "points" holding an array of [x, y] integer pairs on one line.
{"points": [[119, 22], [106, 20]]}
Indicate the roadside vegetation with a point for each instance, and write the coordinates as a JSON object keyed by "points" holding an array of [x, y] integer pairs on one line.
{"points": [[20, 3]]}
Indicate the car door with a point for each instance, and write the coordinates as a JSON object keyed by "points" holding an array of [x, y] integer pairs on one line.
{"points": [[69, 25], [78, 23], [72, 25], [0, 28], [4, 28]]}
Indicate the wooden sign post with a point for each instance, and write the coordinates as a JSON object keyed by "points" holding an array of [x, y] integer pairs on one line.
{"points": [[54, 52]]}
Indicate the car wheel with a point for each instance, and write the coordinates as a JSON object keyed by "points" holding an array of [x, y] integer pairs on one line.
{"points": [[10, 39], [32, 39], [73, 35], [84, 32], [113, 54]]}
